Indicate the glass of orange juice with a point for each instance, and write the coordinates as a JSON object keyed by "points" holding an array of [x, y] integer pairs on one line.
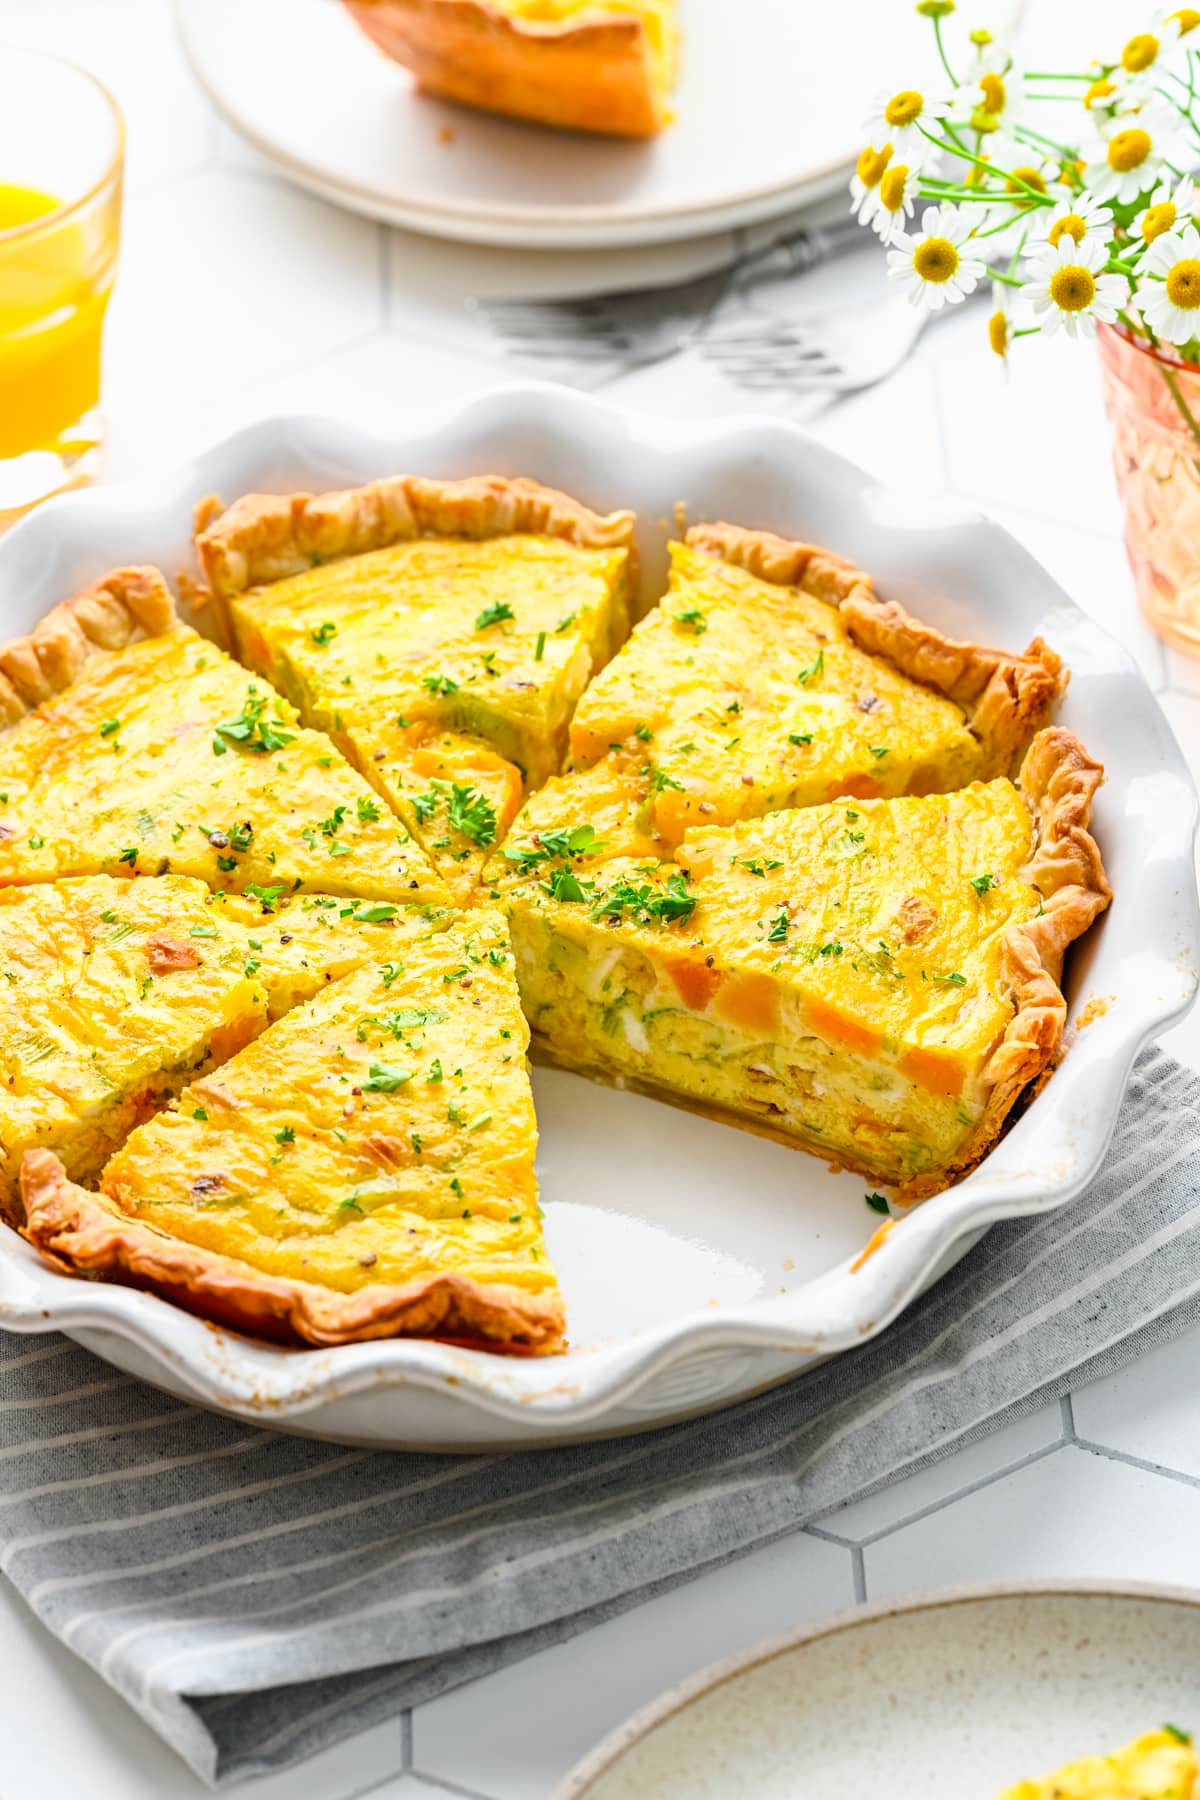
{"points": [[62, 145]]}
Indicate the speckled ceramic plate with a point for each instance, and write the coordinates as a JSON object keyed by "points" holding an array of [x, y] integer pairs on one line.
{"points": [[954, 1697], [699, 1263]]}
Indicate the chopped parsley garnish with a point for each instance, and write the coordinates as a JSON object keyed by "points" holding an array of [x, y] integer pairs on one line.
{"points": [[644, 732], [408, 1018], [440, 684], [540, 647], [800, 738], [435, 1072], [757, 866], [383, 1079], [199, 1113], [663, 780], [286, 1136], [877, 1204], [952, 979], [226, 864], [780, 926], [375, 913], [333, 824], [473, 814], [129, 855], [814, 669], [692, 619], [425, 805], [268, 897], [878, 750], [478, 1123], [350, 1204], [36, 842], [564, 884], [568, 840], [324, 633], [668, 905], [1180, 1736], [251, 729], [565, 624], [367, 809], [983, 884], [209, 931], [495, 614], [109, 727]]}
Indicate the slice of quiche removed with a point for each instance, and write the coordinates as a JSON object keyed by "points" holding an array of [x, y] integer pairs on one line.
{"points": [[364, 1168], [590, 65], [441, 632], [129, 745], [114, 994], [1162, 1765], [876, 980], [771, 675]]}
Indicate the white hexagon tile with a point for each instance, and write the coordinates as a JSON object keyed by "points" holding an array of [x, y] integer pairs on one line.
{"points": [[241, 295]]}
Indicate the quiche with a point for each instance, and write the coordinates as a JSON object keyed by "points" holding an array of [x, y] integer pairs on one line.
{"points": [[875, 980], [590, 65], [1162, 1765], [129, 745], [363, 1168], [114, 994], [441, 632], [772, 675]]}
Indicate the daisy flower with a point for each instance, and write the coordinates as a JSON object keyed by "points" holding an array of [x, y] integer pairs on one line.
{"points": [[935, 266], [1169, 295], [1142, 62], [1167, 207], [897, 197], [903, 118], [1069, 291], [999, 329], [864, 183], [1078, 218], [1130, 158], [989, 101]]}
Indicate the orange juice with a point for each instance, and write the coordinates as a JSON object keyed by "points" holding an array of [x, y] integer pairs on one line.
{"points": [[55, 283]]}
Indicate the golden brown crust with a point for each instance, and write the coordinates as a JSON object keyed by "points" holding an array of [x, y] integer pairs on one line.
{"points": [[1058, 780], [119, 608], [585, 74], [1005, 698], [87, 1234], [266, 537]]}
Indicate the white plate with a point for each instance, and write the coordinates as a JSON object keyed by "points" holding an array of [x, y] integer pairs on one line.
{"points": [[770, 112], [699, 1262], [952, 1697]]}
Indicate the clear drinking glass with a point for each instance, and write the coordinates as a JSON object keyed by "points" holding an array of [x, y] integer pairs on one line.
{"points": [[62, 146]]}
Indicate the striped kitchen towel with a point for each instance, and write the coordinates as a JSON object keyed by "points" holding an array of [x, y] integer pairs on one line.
{"points": [[255, 1597]]}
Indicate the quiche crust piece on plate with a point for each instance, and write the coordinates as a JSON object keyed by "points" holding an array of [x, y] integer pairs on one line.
{"points": [[1162, 1765], [364, 1168], [771, 676], [877, 980], [441, 632], [131, 745], [590, 65]]}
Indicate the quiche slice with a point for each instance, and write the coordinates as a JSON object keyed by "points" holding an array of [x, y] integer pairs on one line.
{"points": [[1162, 1765], [772, 675], [589, 65], [114, 994], [129, 745], [364, 1168], [875, 980], [441, 632]]}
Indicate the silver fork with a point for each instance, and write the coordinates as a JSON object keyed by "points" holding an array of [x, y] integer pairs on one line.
{"points": [[630, 329], [833, 354]]}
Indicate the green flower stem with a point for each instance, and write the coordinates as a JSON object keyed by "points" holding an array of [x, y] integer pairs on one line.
{"points": [[1007, 280], [1027, 131], [941, 50], [1185, 411], [1056, 75], [1021, 187]]}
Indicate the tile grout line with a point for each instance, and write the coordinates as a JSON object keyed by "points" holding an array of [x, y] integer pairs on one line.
{"points": [[1066, 1407], [450, 1787], [1137, 1462], [406, 1737], [858, 1566]]}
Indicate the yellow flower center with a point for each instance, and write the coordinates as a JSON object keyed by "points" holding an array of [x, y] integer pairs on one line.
{"points": [[905, 107], [1128, 150], [981, 36], [1139, 52], [1072, 288], [1158, 219], [1070, 225], [1183, 284], [1099, 90], [1071, 174], [936, 260], [998, 332], [1026, 178], [871, 164], [891, 188], [1187, 18], [994, 96]]}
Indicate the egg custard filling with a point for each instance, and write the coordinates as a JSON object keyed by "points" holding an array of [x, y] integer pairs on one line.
{"points": [[364, 1167], [587, 65], [873, 979], [771, 676], [1162, 1765], [114, 994], [130, 745], [441, 633]]}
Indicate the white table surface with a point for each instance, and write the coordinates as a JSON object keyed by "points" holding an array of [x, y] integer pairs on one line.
{"points": [[240, 295]]}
